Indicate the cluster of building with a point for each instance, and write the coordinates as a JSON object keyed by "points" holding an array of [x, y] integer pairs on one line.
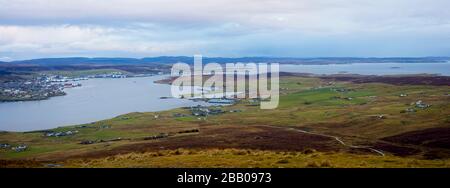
{"points": [[222, 101], [110, 75], [32, 89], [119, 75], [420, 104], [4, 146], [45, 86], [18, 148], [417, 105], [58, 78], [216, 101], [204, 111], [37, 88], [59, 134]]}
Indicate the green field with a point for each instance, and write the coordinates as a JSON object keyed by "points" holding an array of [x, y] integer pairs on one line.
{"points": [[359, 114]]}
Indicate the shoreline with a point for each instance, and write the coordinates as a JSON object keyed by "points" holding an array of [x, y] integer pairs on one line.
{"points": [[307, 104], [425, 79]]}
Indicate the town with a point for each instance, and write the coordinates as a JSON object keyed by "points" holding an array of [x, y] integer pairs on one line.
{"points": [[38, 88], [44, 86]]}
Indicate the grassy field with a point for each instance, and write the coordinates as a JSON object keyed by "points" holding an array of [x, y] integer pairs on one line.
{"points": [[252, 158], [369, 114]]}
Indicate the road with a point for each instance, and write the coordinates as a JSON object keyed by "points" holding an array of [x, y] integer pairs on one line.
{"points": [[381, 153]]}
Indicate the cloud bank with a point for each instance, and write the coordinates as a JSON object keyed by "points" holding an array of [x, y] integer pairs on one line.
{"points": [[296, 28]]}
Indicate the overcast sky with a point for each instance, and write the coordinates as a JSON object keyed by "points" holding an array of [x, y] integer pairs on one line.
{"points": [[294, 28]]}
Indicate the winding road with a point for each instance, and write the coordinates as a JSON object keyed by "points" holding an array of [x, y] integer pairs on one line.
{"points": [[340, 141]]}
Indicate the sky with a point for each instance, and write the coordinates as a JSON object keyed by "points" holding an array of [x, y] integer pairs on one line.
{"points": [[227, 28]]}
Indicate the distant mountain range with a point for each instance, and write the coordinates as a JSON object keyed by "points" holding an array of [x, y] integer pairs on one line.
{"points": [[190, 60]]}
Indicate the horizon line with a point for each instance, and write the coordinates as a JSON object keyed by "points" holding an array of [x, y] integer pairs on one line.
{"points": [[268, 57]]}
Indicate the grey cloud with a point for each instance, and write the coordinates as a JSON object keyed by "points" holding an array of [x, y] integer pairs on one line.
{"points": [[30, 28]]}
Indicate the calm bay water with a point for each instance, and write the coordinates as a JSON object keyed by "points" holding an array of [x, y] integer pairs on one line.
{"points": [[97, 99], [372, 68], [101, 99]]}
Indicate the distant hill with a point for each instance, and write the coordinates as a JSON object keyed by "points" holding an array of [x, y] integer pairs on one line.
{"points": [[190, 60], [77, 60]]}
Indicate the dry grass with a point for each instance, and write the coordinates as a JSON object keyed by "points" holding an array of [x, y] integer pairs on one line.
{"points": [[213, 158]]}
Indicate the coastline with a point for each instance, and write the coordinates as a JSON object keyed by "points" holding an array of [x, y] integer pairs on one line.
{"points": [[414, 79], [308, 104]]}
